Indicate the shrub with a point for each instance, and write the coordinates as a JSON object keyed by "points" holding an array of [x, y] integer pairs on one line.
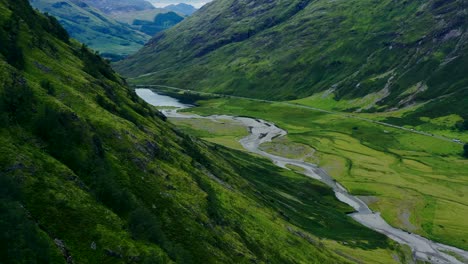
{"points": [[47, 85], [17, 99], [462, 125], [9, 46], [56, 29], [94, 65]]}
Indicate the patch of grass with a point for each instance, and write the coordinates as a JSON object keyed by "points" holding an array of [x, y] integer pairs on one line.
{"points": [[226, 133]]}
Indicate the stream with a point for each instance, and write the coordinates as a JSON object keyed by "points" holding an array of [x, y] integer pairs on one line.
{"points": [[261, 131]]}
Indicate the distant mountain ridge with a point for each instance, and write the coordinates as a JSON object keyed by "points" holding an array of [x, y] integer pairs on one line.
{"points": [[116, 6], [161, 21], [108, 26], [182, 8], [93, 27], [377, 55]]}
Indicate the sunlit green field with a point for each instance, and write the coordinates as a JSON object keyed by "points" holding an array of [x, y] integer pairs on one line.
{"points": [[443, 125], [418, 183], [223, 133]]}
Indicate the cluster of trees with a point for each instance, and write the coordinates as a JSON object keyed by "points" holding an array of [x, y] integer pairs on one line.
{"points": [[10, 46], [21, 241], [53, 26], [95, 65], [462, 125], [16, 100], [465, 150], [9, 43]]}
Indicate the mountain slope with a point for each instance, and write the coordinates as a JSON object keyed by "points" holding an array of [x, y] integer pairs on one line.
{"points": [[392, 53], [145, 15], [182, 8], [91, 174], [94, 28], [160, 22], [119, 6]]}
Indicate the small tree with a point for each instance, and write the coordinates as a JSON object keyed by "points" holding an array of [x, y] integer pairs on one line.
{"points": [[465, 150], [462, 125]]}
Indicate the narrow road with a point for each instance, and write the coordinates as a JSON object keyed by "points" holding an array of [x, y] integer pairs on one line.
{"points": [[344, 115]]}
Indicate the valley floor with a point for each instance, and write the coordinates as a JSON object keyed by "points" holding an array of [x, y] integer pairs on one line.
{"points": [[417, 182]]}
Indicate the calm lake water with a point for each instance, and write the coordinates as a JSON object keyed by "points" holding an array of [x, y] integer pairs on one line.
{"points": [[156, 99]]}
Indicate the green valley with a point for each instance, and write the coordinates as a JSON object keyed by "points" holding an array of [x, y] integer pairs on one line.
{"points": [[379, 56], [375, 93], [90, 173], [418, 183], [302, 132]]}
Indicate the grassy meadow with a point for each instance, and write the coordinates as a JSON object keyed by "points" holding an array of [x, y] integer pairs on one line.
{"points": [[418, 183], [444, 125]]}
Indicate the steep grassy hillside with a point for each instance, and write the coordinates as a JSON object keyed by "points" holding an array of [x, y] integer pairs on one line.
{"points": [[91, 174], [99, 31], [392, 53]]}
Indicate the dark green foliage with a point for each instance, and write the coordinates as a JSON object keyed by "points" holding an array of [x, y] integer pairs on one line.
{"points": [[17, 99], [9, 42], [105, 185], [55, 28], [188, 97], [167, 19], [462, 125], [144, 225], [9, 186], [465, 150], [48, 86], [106, 104], [67, 137], [21, 241], [95, 65]]}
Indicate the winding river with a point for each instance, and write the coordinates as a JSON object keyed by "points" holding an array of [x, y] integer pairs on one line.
{"points": [[262, 131]]}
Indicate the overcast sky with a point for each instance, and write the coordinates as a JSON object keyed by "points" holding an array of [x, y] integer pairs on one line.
{"points": [[195, 3]]}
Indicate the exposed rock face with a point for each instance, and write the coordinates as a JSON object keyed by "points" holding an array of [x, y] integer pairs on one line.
{"points": [[61, 245]]}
